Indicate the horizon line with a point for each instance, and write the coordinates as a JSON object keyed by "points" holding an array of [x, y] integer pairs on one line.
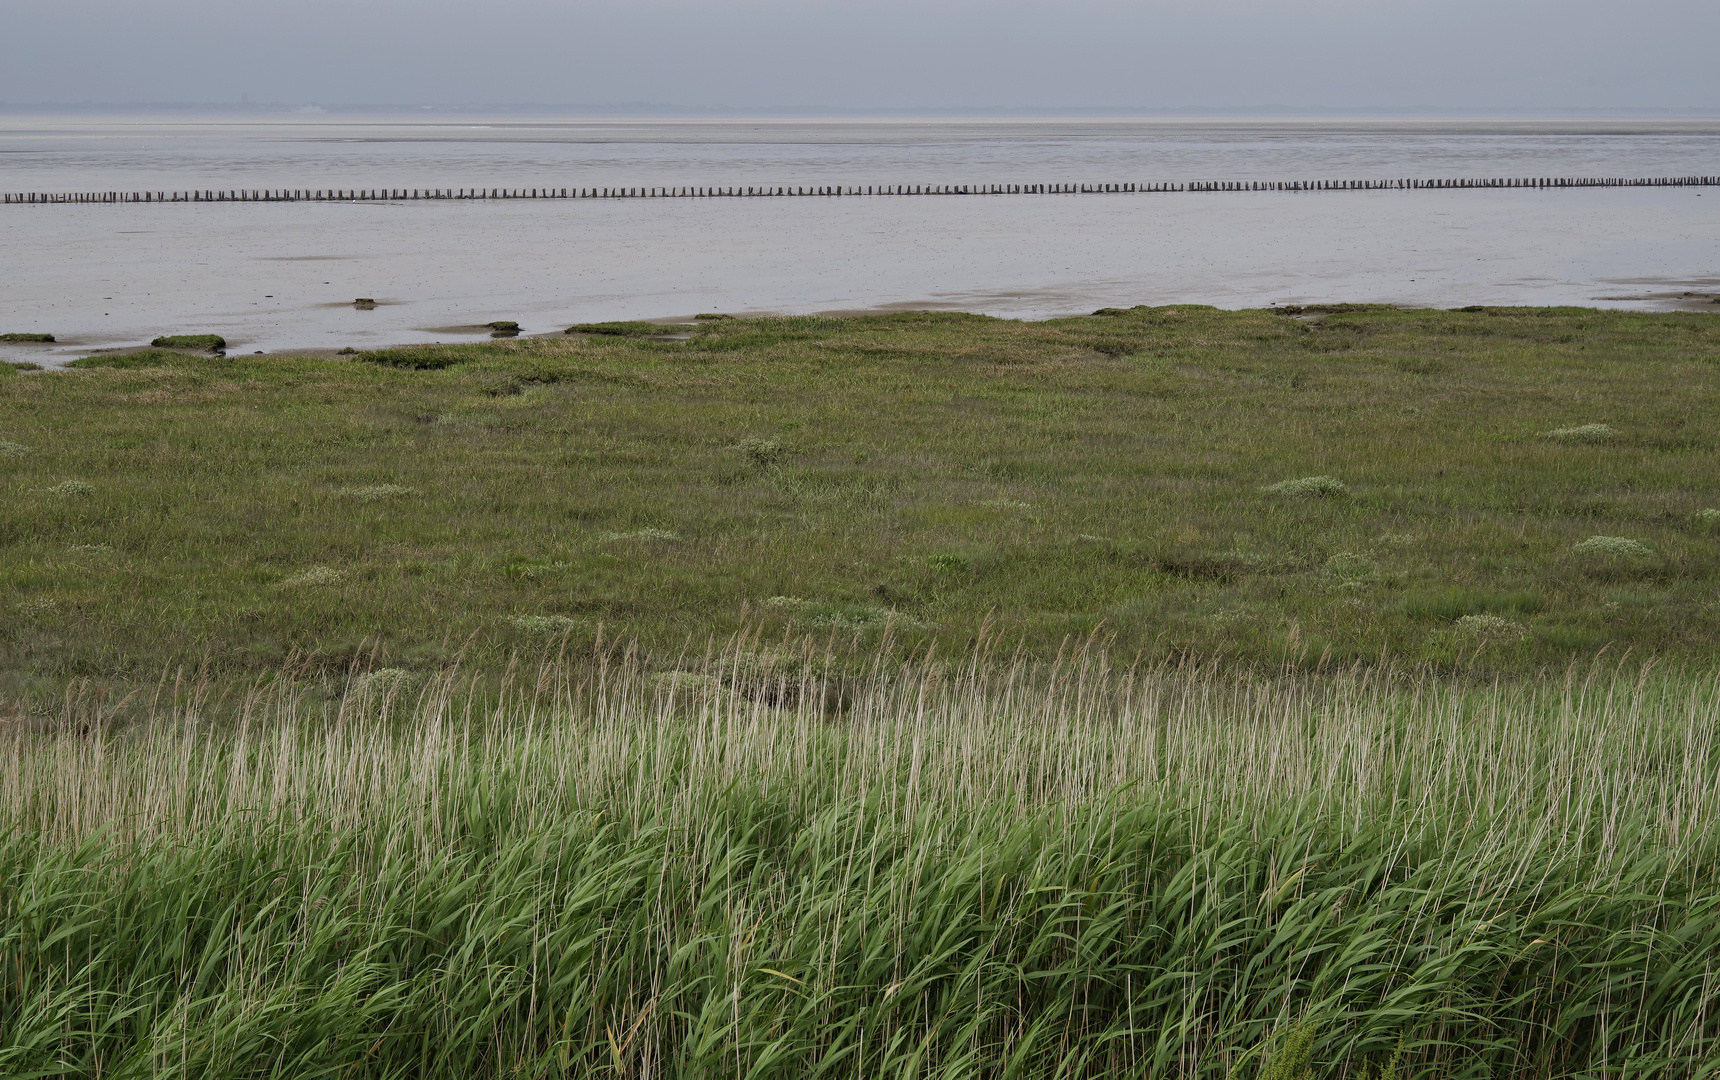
{"points": [[657, 109]]}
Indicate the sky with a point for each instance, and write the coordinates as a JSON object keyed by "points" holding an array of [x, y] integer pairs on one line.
{"points": [[882, 54]]}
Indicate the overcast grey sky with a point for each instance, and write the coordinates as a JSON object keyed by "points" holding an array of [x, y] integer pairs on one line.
{"points": [[883, 54]]}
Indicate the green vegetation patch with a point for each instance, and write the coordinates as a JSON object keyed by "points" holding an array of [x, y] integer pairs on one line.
{"points": [[211, 342], [620, 329], [1328, 309], [1189, 482], [142, 358], [1584, 433], [748, 864], [1450, 605], [420, 357], [21, 339]]}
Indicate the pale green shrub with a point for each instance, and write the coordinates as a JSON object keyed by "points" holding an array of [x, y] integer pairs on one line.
{"points": [[317, 577], [763, 453], [686, 683], [12, 449], [641, 534], [1584, 433], [1347, 564], [1614, 547], [869, 619], [1308, 487], [1491, 627], [382, 681], [375, 492], [1709, 518], [72, 489], [544, 624]]}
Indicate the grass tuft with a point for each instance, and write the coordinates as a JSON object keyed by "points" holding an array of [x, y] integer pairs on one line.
{"points": [[1346, 564], [316, 577], [1450, 605], [762, 453], [1585, 433], [950, 562], [648, 533], [1308, 487], [545, 624], [209, 342], [801, 863], [1614, 547], [383, 681], [143, 358], [415, 357], [619, 329], [1490, 627], [375, 492]]}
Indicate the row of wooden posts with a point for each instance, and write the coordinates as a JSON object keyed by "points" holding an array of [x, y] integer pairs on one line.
{"points": [[395, 194]]}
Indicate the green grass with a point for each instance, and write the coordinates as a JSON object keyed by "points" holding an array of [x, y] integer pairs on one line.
{"points": [[22, 338], [1118, 475], [973, 869], [621, 329], [142, 358], [1104, 697], [190, 341]]}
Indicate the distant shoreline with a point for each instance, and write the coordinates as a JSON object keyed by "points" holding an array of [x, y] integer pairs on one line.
{"points": [[667, 111]]}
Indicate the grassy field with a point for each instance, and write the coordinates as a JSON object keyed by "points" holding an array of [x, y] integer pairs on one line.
{"points": [[982, 871], [1113, 474], [1169, 693]]}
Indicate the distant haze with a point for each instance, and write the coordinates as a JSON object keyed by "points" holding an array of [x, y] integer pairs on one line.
{"points": [[882, 54]]}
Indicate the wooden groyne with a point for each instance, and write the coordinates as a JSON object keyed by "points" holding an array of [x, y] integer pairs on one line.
{"points": [[277, 195]]}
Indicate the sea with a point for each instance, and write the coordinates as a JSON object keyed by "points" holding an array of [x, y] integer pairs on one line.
{"points": [[274, 277]]}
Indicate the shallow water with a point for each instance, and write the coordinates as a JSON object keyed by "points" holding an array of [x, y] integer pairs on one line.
{"points": [[281, 276]]}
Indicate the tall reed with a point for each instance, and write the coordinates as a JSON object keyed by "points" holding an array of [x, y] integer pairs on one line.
{"points": [[750, 868]]}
